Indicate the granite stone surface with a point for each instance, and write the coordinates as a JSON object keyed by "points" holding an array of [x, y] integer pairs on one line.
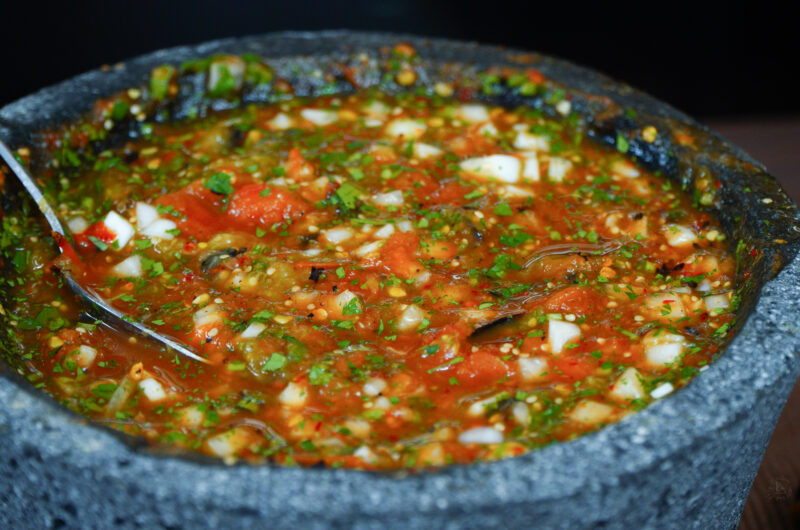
{"points": [[686, 461]]}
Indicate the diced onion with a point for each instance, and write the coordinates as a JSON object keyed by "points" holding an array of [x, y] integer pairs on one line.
{"points": [[120, 227], [293, 395], [129, 267], [558, 169], [424, 151], [481, 435], [530, 168], [591, 412], [663, 348], [145, 215], [77, 224], [338, 235], [717, 303], [391, 198], [152, 389], [628, 386], [500, 167], [560, 333], [531, 142], [85, 356], [253, 330], [384, 232], [531, 368], [319, 117], [369, 248], [159, 229], [472, 113], [679, 236], [410, 318], [662, 390], [374, 386], [280, 122], [405, 129]]}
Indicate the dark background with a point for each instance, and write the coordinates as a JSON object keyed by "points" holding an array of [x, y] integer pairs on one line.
{"points": [[707, 59]]}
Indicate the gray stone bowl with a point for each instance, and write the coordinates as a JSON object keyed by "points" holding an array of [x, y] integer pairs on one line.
{"points": [[687, 461]]}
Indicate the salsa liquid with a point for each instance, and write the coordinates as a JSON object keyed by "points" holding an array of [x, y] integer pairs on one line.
{"points": [[377, 282]]}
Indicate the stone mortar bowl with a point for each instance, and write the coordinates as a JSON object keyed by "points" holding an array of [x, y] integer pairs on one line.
{"points": [[686, 461]]}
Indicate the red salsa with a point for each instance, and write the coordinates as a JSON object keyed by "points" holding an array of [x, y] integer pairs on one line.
{"points": [[377, 281]]}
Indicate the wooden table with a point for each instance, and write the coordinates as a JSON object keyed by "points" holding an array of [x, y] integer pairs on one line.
{"points": [[774, 500]]}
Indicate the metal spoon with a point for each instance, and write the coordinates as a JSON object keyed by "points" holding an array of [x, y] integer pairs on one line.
{"points": [[87, 297]]}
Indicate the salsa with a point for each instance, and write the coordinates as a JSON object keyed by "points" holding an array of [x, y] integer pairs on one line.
{"points": [[377, 281]]}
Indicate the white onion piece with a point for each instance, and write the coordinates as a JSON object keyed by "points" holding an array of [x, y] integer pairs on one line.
{"points": [[391, 198], [625, 169], [145, 215], [500, 167], [376, 109], [667, 305], [558, 168], [559, 333], [77, 224], [405, 226], [119, 226], [405, 129], [159, 229], [530, 168], [662, 390], [319, 117], [481, 435], [591, 412], [369, 248], [531, 368], [365, 454], [337, 235], [410, 318], [129, 267], [207, 315], [628, 386], [280, 122], [153, 390], [293, 395], [679, 236], [374, 386], [531, 142], [472, 113], [384, 232], [521, 413], [717, 303], [424, 151], [253, 330], [488, 129], [85, 356], [662, 348], [228, 443]]}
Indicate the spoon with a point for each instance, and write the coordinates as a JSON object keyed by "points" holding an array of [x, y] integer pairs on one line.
{"points": [[87, 297]]}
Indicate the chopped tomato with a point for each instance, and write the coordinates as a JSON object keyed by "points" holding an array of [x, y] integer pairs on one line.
{"points": [[264, 205]]}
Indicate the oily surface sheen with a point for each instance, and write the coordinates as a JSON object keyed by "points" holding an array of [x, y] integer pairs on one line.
{"points": [[334, 258]]}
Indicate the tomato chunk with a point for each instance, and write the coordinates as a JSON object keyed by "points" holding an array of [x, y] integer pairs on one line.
{"points": [[261, 204]]}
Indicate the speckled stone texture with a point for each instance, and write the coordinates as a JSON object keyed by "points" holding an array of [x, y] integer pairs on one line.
{"points": [[684, 462]]}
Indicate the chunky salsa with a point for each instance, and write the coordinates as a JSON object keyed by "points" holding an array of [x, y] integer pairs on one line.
{"points": [[377, 281]]}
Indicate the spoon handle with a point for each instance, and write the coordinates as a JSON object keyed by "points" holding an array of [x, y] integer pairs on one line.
{"points": [[33, 190], [90, 300]]}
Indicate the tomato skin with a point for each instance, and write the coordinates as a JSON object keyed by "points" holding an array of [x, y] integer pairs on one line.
{"points": [[480, 369], [578, 300], [198, 217], [249, 208], [399, 255], [571, 368]]}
